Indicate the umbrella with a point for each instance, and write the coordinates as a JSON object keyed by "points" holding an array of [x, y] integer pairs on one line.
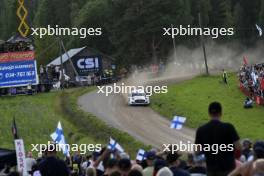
{"points": [[7, 157]]}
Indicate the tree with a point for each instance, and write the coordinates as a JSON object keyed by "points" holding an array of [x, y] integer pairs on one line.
{"points": [[42, 19], [221, 14], [9, 21], [203, 7], [261, 15], [247, 15]]}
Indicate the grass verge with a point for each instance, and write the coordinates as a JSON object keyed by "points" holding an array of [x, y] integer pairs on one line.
{"points": [[37, 117], [191, 99]]}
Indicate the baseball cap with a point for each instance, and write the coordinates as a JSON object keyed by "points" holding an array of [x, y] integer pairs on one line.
{"points": [[151, 155], [259, 145]]}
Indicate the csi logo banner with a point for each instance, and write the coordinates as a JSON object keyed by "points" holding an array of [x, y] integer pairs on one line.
{"points": [[85, 65]]}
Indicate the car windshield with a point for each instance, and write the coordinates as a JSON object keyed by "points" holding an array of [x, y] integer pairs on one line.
{"points": [[138, 94]]}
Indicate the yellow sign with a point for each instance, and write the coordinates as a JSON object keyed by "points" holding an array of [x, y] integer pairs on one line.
{"points": [[22, 13]]}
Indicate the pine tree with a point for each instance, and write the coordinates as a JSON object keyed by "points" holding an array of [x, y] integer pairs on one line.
{"points": [[221, 14], [9, 19], [261, 14], [203, 7]]}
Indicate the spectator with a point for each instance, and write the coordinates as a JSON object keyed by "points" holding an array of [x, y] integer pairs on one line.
{"points": [[159, 164], [41, 71], [218, 133], [248, 168], [137, 167], [198, 168], [124, 166], [111, 166], [116, 173], [248, 103], [150, 157], [51, 166], [258, 167], [174, 163], [165, 171], [252, 80], [57, 72], [30, 161], [190, 162], [224, 76], [135, 173], [247, 152], [90, 172]]}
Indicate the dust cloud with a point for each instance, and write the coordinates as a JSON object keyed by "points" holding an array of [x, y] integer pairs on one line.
{"points": [[187, 62]]}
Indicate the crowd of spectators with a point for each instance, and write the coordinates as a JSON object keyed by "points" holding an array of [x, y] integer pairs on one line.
{"points": [[252, 79], [16, 47], [246, 158]]}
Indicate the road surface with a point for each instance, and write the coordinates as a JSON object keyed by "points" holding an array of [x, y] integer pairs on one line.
{"points": [[140, 122]]}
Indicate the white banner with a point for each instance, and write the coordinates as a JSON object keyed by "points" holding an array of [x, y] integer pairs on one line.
{"points": [[21, 156]]}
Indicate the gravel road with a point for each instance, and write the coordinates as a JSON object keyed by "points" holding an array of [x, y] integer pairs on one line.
{"points": [[140, 122]]}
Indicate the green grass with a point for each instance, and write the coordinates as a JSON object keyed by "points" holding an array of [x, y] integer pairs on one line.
{"points": [[191, 99], [37, 117]]}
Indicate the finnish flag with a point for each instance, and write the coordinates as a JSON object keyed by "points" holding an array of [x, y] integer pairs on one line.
{"points": [[259, 30], [113, 145], [58, 138], [178, 122], [141, 155]]}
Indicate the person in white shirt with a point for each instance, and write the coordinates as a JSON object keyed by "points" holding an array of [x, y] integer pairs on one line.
{"points": [[30, 161]]}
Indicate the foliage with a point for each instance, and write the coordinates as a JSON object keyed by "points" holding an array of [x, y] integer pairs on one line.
{"points": [[132, 30]]}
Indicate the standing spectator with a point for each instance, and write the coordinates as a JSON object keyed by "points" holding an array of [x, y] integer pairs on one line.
{"points": [[30, 161], [150, 157], [57, 72], [41, 71], [218, 133], [51, 166], [224, 76], [87, 163], [174, 163]]}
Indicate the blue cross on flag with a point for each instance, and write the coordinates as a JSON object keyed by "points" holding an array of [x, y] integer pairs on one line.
{"points": [[178, 122], [141, 155], [58, 138], [113, 145]]}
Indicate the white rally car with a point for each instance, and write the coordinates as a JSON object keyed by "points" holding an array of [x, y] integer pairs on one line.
{"points": [[138, 97]]}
